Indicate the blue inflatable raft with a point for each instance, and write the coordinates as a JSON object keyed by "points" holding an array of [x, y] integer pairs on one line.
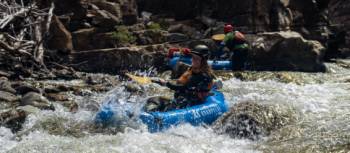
{"points": [[216, 65], [205, 113]]}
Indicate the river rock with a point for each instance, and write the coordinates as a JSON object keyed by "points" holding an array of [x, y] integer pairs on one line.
{"points": [[36, 100], [176, 37], [13, 118], [287, 51], [5, 85], [4, 74], [67, 74], [22, 88], [112, 7], [252, 120], [7, 97], [57, 97]]}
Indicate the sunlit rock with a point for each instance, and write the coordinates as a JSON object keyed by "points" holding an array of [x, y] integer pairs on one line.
{"points": [[287, 51], [36, 100], [7, 97]]}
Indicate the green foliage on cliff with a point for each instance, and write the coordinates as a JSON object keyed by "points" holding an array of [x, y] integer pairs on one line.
{"points": [[123, 35], [154, 26]]}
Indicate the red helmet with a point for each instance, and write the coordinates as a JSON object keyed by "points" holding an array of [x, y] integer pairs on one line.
{"points": [[185, 51], [172, 51], [228, 28]]}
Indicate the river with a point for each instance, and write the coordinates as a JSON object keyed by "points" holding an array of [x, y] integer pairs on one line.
{"points": [[321, 102]]}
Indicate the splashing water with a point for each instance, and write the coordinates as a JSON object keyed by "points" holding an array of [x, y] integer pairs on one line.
{"points": [[322, 109]]}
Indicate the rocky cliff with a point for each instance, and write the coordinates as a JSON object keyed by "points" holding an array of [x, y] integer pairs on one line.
{"points": [[339, 12]]}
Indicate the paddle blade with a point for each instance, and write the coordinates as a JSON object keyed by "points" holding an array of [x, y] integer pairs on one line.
{"points": [[138, 79], [218, 37]]}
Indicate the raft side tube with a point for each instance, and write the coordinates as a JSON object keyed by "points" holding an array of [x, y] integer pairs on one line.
{"points": [[216, 65]]}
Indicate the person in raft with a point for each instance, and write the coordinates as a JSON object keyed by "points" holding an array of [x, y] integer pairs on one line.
{"points": [[192, 88], [236, 43]]}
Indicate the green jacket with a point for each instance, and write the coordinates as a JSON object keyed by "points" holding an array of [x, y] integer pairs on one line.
{"points": [[235, 40]]}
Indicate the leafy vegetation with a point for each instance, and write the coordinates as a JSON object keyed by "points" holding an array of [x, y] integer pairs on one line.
{"points": [[123, 35], [154, 26]]}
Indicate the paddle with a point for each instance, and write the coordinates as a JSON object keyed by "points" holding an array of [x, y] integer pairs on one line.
{"points": [[218, 37], [139, 79]]}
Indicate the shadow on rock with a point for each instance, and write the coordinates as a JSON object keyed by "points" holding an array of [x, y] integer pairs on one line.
{"points": [[251, 120]]}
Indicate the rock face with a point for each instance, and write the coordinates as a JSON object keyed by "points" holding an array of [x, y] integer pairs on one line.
{"points": [[88, 39], [339, 15], [117, 59], [249, 15], [61, 37], [147, 37], [286, 51]]}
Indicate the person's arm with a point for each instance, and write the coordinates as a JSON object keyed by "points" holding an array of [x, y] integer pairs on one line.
{"points": [[169, 84], [175, 86]]}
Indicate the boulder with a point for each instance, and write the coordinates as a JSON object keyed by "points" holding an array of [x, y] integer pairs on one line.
{"points": [[176, 37], [104, 20], [5, 85], [286, 51], [22, 88], [57, 97], [152, 36], [115, 60], [4, 74], [13, 118], [7, 97], [82, 39], [88, 39], [61, 38], [185, 29], [253, 121], [36, 100], [103, 40]]}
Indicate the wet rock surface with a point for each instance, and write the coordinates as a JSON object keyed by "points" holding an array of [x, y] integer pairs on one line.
{"points": [[118, 59], [252, 120], [36, 100]]}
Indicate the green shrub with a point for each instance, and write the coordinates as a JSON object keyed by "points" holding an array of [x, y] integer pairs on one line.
{"points": [[123, 35], [154, 26]]}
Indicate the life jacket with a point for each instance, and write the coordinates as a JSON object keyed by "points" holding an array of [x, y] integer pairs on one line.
{"points": [[239, 37], [235, 40], [186, 77]]}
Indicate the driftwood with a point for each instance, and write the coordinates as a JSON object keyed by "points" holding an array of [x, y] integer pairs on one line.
{"points": [[25, 29]]}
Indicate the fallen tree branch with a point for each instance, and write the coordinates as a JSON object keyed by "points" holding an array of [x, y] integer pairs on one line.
{"points": [[39, 49], [6, 46], [9, 48], [49, 18], [10, 17]]}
